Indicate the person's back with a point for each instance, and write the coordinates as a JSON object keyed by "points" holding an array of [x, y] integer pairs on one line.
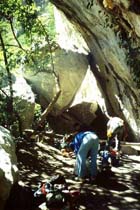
{"points": [[85, 144], [115, 130], [77, 140]]}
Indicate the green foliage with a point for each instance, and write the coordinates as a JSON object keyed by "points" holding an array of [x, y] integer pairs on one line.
{"points": [[38, 112], [25, 14], [24, 31], [3, 113]]}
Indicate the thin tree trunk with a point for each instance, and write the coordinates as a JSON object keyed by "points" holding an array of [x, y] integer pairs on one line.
{"points": [[10, 108], [57, 83], [49, 108]]}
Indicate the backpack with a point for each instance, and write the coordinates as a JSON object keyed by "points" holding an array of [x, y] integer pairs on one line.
{"points": [[55, 192]]}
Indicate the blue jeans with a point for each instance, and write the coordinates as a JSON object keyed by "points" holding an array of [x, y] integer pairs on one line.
{"points": [[88, 148]]}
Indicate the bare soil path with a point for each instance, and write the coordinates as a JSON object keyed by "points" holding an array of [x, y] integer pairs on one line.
{"points": [[118, 189]]}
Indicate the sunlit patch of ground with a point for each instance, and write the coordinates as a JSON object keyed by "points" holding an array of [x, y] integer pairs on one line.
{"points": [[118, 189]]}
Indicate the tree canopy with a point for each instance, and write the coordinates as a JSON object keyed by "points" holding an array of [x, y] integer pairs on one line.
{"points": [[24, 29]]}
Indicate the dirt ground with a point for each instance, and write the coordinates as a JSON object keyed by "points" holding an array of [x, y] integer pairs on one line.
{"points": [[118, 189]]}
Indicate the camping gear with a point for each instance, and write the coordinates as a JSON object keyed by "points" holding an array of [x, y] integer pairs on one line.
{"points": [[56, 193]]}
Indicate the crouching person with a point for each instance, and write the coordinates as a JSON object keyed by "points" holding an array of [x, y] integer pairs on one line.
{"points": [[85, 145], [115, 134]]}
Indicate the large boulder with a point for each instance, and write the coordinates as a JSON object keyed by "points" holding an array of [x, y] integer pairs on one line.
{"points": [[80, 94], [111, 32], [109, 42], [8, 165], [70, 68], [24, 100]]}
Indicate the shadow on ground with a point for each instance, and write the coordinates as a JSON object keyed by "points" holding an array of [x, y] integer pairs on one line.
{"points": [[118, 189]]}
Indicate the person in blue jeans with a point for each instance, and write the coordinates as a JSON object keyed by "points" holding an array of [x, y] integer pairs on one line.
{"points": [[85, 145]]}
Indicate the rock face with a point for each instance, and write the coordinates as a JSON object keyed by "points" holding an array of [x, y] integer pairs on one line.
{"points": [[80, 94], [8, 165], [24, 100], [111, 32], [71, 69]]}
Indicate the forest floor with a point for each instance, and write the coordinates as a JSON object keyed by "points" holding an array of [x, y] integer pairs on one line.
{"points": [[118, 189]]}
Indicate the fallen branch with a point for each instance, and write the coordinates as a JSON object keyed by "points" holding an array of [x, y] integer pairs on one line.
{"points": [[49, 108]]}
